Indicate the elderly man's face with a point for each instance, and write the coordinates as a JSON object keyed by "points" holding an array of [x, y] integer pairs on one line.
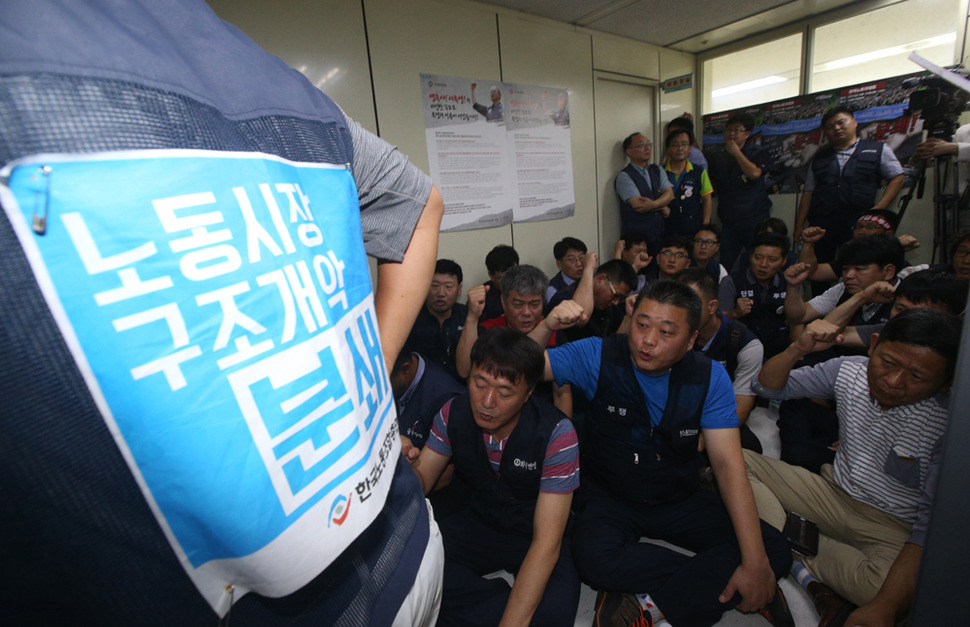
{"points": [[903, 374], [522, 311]]}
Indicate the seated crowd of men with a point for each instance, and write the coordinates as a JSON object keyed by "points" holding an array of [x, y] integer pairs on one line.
{"points": [[643, 370]]}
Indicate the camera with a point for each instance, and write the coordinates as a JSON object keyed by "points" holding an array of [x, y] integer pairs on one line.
{"points": [[938, 102]]}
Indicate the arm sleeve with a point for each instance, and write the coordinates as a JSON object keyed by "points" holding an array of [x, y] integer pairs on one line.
{"points": [[828, 300], [392, 193], [927, 495], [749, 365], [865, 332], [809, 382], [625, 187], [560, 468], [720, 407], [809, 180], [706, 187], [665, 181], [438, 438], [889, 166], [578, 364]]}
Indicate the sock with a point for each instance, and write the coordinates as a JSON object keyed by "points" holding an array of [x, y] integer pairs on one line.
{"points": [[649, 606], [801, 574]]}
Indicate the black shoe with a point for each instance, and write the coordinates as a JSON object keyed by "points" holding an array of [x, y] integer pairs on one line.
{"points": [[615, 609], [777, 612], [831, 607]]}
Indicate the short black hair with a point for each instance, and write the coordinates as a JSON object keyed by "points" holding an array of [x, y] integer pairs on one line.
{"points": [[628, 140], [501, 258], [675, 294], [713, 228], [566, 244], [448, 266], [744, 119], [935, 286], [634, 237], [502, 352], [881, 249], [682, 122], [834, 111], [677, 241], [777, 225], [768, 238], [678, 131], [619, 271], [931, 328], [406, 355], [703, 279], [959, 238]]}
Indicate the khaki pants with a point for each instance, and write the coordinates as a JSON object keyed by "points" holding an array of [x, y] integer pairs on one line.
{"points": [[858, 543]]}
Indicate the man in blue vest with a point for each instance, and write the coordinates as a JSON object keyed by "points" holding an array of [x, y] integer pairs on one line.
{"points": [[437, 328], [651, 398], [691, 206], [105, 76], [519, 458], [843, 180], [738, 173], [644, 191]]}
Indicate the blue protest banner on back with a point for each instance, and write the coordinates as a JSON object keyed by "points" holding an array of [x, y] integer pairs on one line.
{"points": [[220, 308]]}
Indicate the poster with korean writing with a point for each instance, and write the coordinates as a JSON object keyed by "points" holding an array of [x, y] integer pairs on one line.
{"points": [[220, 309], [467, 150], [537, 123], [790, 129]]}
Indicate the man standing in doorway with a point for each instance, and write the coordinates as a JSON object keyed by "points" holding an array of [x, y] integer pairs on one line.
{"points": [[842, 182], [644, 191], [738, 174]]}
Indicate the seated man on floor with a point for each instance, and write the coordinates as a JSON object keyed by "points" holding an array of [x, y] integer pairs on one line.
{"points": [[523, 287], [890, 418], [420, 389], [633, 248], [729, 343], [439, 323], [520, 459], [570, 253], [707, 241], [673, 257], [497, 261], [601, 293], [652, 397], [761, 293]]}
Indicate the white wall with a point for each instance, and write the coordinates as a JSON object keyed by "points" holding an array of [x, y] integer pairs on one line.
{"points": [[337, 44]]}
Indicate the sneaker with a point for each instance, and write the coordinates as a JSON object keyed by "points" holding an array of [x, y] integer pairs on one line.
{"points": [[777, 612], [615, 609]]}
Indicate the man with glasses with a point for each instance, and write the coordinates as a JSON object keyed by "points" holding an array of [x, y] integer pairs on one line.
{"points": [[570, 254], [673, 257], [707, 241], [644, 191], [842, 182], [738, 174], [601, 294], [691, 206]]}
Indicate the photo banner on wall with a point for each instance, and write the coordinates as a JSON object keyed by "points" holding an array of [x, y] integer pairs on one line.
{"points": [[498, 152], [790, 129]]}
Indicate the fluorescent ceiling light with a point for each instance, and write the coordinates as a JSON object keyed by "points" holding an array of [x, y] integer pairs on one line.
{"points": [[755, 84], [939, 40]]}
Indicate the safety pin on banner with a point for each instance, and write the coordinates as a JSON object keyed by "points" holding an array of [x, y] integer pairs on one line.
{"points": [[40, 221]]}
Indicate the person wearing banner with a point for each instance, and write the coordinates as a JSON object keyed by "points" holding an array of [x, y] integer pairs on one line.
{"points": [[493, 112], [103, 76], [842, 182], [519, 458], [644, 191], [738, 173]]}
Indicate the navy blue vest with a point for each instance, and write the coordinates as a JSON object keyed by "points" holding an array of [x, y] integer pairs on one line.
{"points": [[623, 451], [650, 224], [764, 320], [686, 210], [505, 501], [434, 389], [739, 200], [727, 343], [854, 189]]}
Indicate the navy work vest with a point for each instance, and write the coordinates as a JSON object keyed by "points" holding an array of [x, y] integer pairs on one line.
{"points": [[650, 224], [852, 189], [764, 320], [633, 459], [727, 343], [740, 200], [686, 210], [507, 500]]}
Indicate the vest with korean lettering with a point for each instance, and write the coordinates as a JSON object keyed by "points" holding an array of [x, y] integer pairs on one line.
{"points": [[650, 224], [767, 317], [623, 450], [854, 188], [686, 210], [507, 500]]}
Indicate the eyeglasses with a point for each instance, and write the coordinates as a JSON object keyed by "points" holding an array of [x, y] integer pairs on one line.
{"points": [[641, 146], [961, 252], [573, 259], [705, 242], [678, 144], [668, 253], [617, 297]]}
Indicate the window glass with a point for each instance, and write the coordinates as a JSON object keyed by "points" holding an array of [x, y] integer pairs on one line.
{"points": [[754, 75]]}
